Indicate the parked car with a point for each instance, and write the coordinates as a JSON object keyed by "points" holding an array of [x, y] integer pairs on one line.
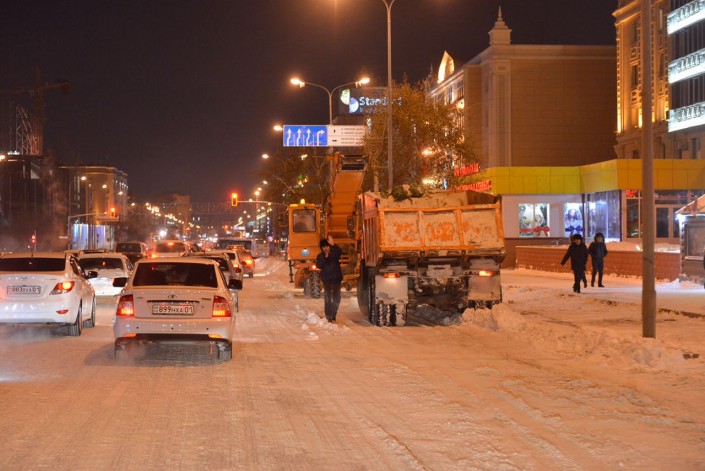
{"points": [[132, 250], [170, 248], [46, 288], [108, 266], [183, 299], [246, 259]]}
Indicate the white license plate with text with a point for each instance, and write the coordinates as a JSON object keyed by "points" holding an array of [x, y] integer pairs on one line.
{"points": [[173, 309], [24, 289]]}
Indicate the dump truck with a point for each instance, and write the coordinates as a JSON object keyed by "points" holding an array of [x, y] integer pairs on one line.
{"points": [[442, 250]]}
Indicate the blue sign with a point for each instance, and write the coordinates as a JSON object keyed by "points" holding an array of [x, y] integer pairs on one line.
{"points": [[305, 136]]}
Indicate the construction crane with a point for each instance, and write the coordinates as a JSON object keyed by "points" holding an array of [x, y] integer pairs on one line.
{"points": [[29, 127]]}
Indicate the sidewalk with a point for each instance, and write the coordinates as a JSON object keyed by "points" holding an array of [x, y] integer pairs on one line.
{"points": [[681, 298]]}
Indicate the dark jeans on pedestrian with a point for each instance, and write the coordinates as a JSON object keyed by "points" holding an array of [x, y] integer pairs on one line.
{"points": [[578, 278], [331, 296], [598, 268]]}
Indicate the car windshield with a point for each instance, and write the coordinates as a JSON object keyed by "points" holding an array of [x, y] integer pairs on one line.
{"points": [[304, 220], [102, 263], [29, 264], [170, 247], [127, 247], [180, 274]]}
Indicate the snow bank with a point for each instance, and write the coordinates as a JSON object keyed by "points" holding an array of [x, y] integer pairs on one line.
{"points": [[600, 345]]}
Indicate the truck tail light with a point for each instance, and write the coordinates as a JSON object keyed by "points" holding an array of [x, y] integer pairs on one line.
{"points": [[391, 275], [63, 287], [221, 308], [126, 306], [487, 273]]}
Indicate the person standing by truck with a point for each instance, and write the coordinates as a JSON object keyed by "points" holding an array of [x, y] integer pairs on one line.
{"points": [[328, 262]]}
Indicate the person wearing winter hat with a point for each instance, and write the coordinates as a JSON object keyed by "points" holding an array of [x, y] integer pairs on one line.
{"points": [[328, 261], [598, 252], [578, 255]]}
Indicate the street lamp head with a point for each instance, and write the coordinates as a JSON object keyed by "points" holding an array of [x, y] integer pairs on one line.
{"points": [[278, 127], [362, 81], [265, 156], [296, 81]]}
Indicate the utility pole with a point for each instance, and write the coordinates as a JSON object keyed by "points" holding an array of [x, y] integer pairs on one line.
{"points": [[648, 206]]}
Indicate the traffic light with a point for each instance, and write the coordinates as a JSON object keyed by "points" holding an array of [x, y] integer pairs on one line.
{"points": [[112, 213], [34, 239], [233, 199]]}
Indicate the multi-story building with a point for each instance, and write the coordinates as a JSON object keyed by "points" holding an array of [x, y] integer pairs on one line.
{"points": [[97, 202], [553, 167]]}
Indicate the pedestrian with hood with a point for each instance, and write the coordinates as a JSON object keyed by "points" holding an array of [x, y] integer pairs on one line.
{"points": [[578, 254], [598, 252], [328, 261]]}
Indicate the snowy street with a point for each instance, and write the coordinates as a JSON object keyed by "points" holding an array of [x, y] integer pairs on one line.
{"points": [[549, 380]]}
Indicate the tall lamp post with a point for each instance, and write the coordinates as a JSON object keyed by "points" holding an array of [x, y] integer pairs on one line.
{"points": [[390, 167], [330, 92]]}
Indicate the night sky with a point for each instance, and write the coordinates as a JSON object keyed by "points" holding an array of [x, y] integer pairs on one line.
{"points": [[182, 95]]}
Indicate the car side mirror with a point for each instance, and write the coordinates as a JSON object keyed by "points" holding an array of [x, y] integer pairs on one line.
{"points": [[235, 283], [90, 274], [120, 282]]}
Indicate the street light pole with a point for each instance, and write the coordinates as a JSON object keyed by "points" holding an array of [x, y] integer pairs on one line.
{"points": [[390, 167], [302, 83]]}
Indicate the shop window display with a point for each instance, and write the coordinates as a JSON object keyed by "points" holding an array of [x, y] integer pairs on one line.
{"points": [[573, 219], [533, 220]]}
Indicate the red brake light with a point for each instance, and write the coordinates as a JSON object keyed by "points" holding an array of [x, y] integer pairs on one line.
{"points": [[126, 306], [221, 308], [63, 287], [391, 275], [486, 273]]}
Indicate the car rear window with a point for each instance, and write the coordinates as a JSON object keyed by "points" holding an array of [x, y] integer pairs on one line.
{"points": [[29, 264], [107, 263], [170, 247], [128, 247], [175, 274], [222, 263]]}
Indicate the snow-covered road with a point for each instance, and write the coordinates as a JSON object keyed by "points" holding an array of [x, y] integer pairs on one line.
{"points": [[548, 380]]}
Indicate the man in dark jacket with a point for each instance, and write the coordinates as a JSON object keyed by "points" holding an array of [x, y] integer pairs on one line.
{"points": [[598, 252], [328, 261], [578, 255]]}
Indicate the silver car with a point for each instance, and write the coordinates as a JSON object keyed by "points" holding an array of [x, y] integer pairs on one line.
{"points": [[176, 300]]}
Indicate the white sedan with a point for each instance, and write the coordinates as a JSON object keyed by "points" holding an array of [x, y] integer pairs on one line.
{"points": [[176, 300], [108, 266], [46, 288]]}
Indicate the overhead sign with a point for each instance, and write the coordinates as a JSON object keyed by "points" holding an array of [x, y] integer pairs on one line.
{"points": [[347, 136], [323, 136], [305, 136]]}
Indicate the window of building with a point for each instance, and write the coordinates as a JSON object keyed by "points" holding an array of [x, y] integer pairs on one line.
{"points": [[603, 215], [533, 220], [635, 76]]}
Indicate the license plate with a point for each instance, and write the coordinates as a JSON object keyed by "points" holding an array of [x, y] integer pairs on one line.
{"points": [[173, 309], [24, 289]]}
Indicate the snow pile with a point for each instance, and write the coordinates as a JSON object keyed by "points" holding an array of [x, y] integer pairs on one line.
{"points": [[600, 345], [309, 318]]}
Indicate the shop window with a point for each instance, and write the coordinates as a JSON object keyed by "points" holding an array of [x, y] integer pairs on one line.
{"points": [[573, 219], [662, 220], [633, 220], [533, 220], [603, 215]]}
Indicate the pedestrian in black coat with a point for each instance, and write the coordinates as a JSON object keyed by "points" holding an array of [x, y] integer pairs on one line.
{"points": [[598, 252], [572, 236], [578, 255], [328, 261]]}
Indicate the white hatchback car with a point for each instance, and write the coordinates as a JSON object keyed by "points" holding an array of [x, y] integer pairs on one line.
{"points": [[108, 266], [176, 300], [46, 288]]}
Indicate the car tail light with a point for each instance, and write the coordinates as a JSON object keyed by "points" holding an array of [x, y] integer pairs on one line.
{"points": [[153, 255], [248, 262], [126, 306], [221, 308], [391, 275], [62, 287]]}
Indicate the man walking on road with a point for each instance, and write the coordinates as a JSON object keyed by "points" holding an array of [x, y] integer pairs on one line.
{"points": [[328, 261]]}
